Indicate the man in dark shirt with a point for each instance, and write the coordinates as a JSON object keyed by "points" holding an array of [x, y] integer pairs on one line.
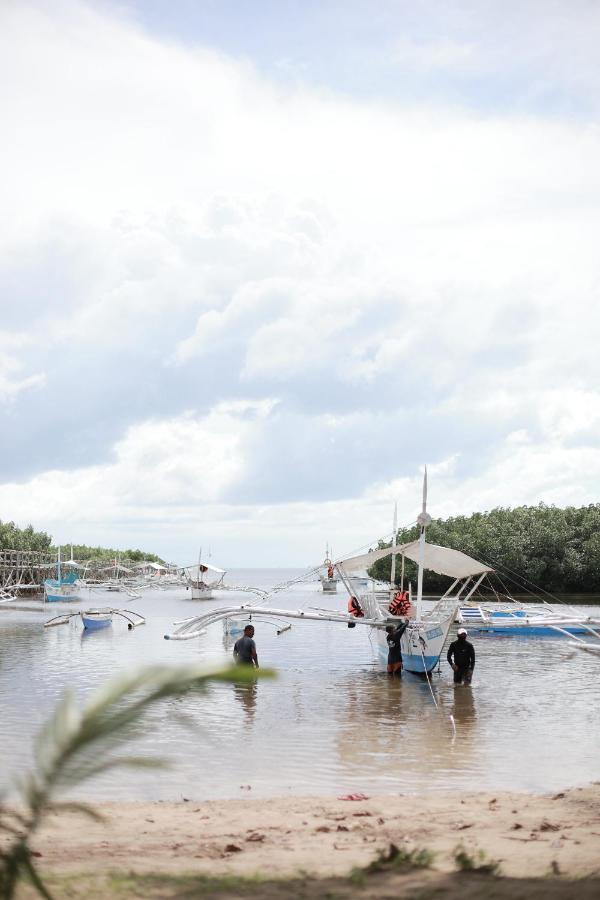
{"points": [[394, 663], [244, 649], [461, 656]]}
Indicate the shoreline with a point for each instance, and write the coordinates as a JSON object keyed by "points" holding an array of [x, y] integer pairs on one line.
{"points": [[529, 835]]}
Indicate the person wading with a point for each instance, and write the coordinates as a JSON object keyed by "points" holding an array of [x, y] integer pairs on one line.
{"points": [[394, 662], [244, 649], [461, 656]]}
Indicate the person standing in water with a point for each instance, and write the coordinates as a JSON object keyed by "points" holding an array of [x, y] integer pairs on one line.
{"points": [[461, 656], [394, 662], [244, 649]]}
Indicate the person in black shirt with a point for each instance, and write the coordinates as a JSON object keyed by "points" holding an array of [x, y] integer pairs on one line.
{"points": [[244, 649], [394, 663], [461, 656]]}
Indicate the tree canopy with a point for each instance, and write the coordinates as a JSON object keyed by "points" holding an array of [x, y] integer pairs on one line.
{"points": [[557, 550], [14, 538]]}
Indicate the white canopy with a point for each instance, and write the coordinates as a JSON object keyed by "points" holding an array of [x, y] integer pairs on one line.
{"points": [[438, 559], [197, 567]]}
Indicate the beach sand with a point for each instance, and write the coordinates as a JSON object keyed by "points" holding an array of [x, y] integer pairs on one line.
{"points": [[552, 837]]}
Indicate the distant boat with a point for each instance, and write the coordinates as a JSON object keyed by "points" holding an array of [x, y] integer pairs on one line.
{"points": [[329, 582], [63, 587], [203, 579]]}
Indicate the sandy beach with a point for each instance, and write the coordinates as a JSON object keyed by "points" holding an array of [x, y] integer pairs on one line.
{"points": [[149, 847]]}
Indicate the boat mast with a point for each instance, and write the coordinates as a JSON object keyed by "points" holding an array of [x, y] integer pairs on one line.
{"points": [[423, 520], [58, 566], [394, 538]]}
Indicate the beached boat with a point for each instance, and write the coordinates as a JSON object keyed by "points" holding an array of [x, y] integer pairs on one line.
{"points": [[64, 587], [426, 632], [97, 619]]}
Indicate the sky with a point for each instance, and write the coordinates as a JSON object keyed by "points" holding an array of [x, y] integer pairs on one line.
{"points": [[260, 262]]}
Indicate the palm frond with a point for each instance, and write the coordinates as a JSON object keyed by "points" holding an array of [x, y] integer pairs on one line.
{"points": [[77, 744]]}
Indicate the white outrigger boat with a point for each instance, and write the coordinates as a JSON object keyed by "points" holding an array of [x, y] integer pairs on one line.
{"points": [[426, 633], [202, 579], [328, 581], [96, 619]]}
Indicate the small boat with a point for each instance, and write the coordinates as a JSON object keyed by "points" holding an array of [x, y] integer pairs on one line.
{"points": [[203, 579], [329, 582], [63, 587], [96, 619]]}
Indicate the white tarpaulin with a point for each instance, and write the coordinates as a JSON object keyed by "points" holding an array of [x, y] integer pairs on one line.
{"points": [[438, 559], [199, 568]]}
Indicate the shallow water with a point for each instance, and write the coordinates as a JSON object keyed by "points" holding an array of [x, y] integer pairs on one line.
{"points": [[330, 722]]}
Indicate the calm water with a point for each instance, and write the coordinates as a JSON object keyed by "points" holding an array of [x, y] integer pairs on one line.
{"points": [[330, 723]]}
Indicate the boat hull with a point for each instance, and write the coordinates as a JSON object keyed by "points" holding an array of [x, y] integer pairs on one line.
{"points": [[329, 585], [56, 593], [95, 621], [421, 646], [525, 630], [202, 593]]}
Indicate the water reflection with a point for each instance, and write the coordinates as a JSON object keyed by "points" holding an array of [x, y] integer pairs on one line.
{"points": [[246, 692]]}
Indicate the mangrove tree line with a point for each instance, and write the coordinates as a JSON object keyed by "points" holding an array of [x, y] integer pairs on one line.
{"points": [[557, 550]]}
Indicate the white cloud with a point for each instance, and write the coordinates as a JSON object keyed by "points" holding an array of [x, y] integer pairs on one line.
{"points": [[408, 282], [12, 383]]}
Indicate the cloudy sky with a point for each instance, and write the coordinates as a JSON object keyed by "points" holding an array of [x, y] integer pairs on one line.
{"points": [[261, 261]]}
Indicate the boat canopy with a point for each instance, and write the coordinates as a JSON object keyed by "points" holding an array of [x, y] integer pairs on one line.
{"points": [[442, 560], [198, 568]]}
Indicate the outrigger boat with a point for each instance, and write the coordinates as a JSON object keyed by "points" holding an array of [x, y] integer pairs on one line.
{"points": [[197, 579], [519, 620], [328, 581], [63, 587], [96, 619], [426, 633]]}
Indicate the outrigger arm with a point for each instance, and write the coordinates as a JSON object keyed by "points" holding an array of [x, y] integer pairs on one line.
{"points": [[196, 625]]}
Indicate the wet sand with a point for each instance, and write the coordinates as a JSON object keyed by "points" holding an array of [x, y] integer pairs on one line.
{"points": [[555, 837]]}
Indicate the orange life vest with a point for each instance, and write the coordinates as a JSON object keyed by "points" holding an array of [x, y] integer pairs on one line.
{"points": [[354, 608], [330, 572], [400, 605]]}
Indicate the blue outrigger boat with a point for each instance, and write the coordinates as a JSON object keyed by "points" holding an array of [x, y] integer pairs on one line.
{"points": [[97, 619], [538, 621], [63, 587]]}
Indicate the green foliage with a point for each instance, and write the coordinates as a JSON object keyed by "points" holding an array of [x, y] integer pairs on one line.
{"points": [[557, 550], [394, 858], [479, 862], [83, 552], [14, 538], [77, 744]]}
